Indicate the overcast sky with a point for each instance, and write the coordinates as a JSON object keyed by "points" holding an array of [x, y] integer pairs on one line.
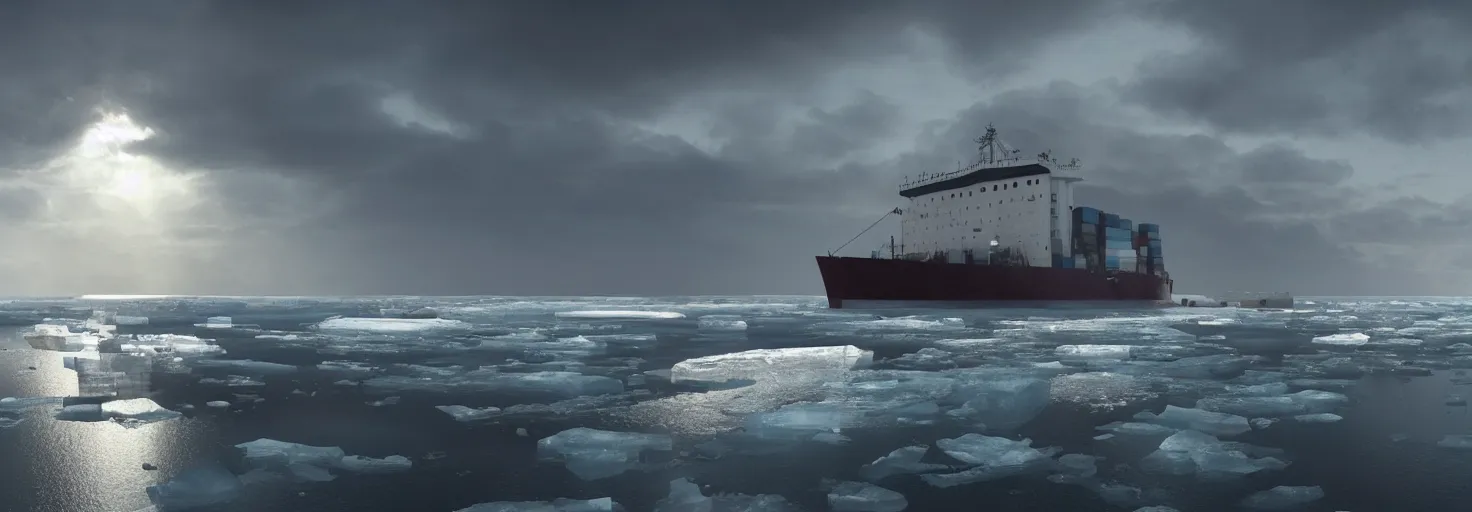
{"points": [[678, 147]]}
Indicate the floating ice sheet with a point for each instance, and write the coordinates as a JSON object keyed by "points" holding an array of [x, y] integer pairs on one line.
{"points": [[768, 363], [620, 315], [595, 454], [389, 325], [196, 487], [864, 497]]}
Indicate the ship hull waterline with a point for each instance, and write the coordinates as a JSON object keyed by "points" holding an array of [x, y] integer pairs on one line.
{"points": [[873, 283]]}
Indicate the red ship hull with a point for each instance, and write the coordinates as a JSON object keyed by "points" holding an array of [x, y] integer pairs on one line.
{"points": [[851, 282]]}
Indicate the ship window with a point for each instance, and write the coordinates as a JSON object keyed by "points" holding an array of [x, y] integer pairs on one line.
{"points": [[1014, 184], [1055, 198], [994, 188]]}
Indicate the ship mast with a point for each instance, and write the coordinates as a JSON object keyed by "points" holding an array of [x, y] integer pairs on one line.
{"points": [[988, 145]]}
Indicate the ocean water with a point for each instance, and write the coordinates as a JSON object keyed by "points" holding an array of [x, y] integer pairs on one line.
{"points": [[729, 403]]}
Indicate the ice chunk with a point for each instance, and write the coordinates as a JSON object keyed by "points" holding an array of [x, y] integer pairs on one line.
{"points": [[1284, 497], [1191, 451], [1214, 423], [1001, 399], [994, 457], [1076, 354], [171, 344], [197, 487], [722, 323], [131, 320], [1343, 339], [467, 414], [59, 338], [620, 315], [684, 496], [369, 465], [594, 454], [269, 453], [557, 505], [1323, 417], [303, 472], [799, 420], [218, 404], [137, 411], [218, 322], [766, 363], [389, 325], [1137, 429], [864, 497], [81, 412], [902, 461]]}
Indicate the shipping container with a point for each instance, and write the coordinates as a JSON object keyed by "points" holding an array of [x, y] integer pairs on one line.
{"points": [[1112, 220], [1127, 225], [1149, 228], [1117, 234], [1111, 262], [1087, 215], [1118, 244]]}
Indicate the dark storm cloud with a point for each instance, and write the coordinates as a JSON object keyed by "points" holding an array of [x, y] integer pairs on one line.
{"points": [[550, 181], [1279, 164], [1399, 70], [1412, 221], [548, 185], [1220, 234]]}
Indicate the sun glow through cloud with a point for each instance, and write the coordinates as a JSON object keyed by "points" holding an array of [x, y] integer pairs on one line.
{"points": [[108, 218], [101, 165]]}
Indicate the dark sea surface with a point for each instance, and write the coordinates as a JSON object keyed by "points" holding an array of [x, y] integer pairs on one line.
{"points": [[1378, 429]]}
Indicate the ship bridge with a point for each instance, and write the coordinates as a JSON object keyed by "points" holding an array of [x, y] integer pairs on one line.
{"points": [[1002, 203]]}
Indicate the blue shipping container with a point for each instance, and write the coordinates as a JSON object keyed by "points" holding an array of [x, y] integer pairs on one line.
{"points": [[1146, 227], [1089, 215], [1117, 234], [1154, 235], [1126, 224], [1118, 244], [1111, 262], [1154, 243]]}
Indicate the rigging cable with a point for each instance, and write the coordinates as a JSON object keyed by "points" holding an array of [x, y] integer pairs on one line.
{"points": [[866, 230]]}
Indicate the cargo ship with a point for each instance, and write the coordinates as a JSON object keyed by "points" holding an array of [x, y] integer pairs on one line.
{"points": [[1001, 231]]}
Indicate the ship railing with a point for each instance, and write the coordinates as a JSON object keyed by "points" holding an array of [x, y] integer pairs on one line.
{"points": [[926, 179]]}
